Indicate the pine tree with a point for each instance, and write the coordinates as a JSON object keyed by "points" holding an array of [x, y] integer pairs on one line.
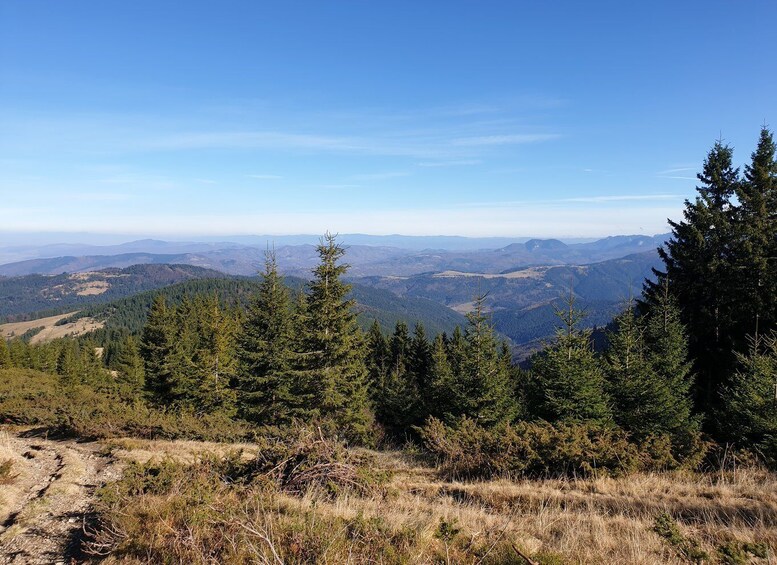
{"points": [[184, 380], [215, 360], [398, 402], [19, 350], [269, 390], [568, 383], [420, 361], [129, 368], [755, 257], [648, 376], [456, 347], [698, 261], [378, 360], [399, 349], [750, 400], [666, 347], [69, 364], [5, 355], [334, 346], [156, 348], [446, 400], [91, 363], [488, 391]]}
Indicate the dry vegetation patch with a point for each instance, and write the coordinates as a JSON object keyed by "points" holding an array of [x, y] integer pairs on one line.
{"points": [[238, 510], [50, 327]]}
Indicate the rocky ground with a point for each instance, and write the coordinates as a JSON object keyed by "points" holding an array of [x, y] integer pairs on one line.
{"points": [[44, 511]]}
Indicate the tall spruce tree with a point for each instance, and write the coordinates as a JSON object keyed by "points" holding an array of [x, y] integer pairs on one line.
{"points": [[378, 360], [391, 409], [633, 390], [129, 368], [568, 383], [487, 389], [666, 348], [70, 366], [334, 346], [421, 365], [648, 376], [750, 400], [268, 383], [446, 400], [698, 261], [156, 348], [215, 359], [19, 350], [755, 256], [184, 380]]}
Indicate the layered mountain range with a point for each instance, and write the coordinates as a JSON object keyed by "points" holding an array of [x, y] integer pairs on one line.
{"points": [[522, 281]]}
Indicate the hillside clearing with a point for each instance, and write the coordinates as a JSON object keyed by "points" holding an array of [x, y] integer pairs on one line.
{"points": [[50, 328]]}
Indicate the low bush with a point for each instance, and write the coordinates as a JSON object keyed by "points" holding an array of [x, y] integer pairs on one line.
{"points": [[30, 397], [304, 459], [540, 449], [687, 548]]}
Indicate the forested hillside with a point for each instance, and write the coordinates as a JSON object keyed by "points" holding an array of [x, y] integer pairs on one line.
{"points": [[128, 315], [21, 297], [522, 302]]}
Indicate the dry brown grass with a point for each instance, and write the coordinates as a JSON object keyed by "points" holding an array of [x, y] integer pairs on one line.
{"points": [[599, 520], [50, 329], [142, 450]]}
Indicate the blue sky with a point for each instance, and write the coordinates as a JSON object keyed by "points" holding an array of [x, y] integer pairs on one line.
{"points": [[470, 118]]}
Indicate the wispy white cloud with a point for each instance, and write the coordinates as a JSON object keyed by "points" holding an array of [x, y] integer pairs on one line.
{"points": [[677, 173], [505, 139], [97, 196], [623, 198], [565, 202], [336, 186], [676, 170], [205, 181], [456, 134], [145, 181], [454, 163], [265, 177], [246, 140], [380, 176]]}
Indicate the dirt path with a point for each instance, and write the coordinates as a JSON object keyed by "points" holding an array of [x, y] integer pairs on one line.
{"points": [[42, 515]]}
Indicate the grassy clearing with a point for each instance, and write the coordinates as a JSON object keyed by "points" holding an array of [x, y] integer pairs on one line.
{"points": [[49, 328], [230, 508]]}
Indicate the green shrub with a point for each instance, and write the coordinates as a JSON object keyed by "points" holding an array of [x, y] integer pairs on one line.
{"points": [[34, 398], [739, 553], [536, 449], [666, 527]]}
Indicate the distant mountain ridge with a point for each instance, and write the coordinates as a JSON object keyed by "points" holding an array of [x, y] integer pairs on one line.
{"points": [[522, 280], [365, 260], [522, 301]]}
